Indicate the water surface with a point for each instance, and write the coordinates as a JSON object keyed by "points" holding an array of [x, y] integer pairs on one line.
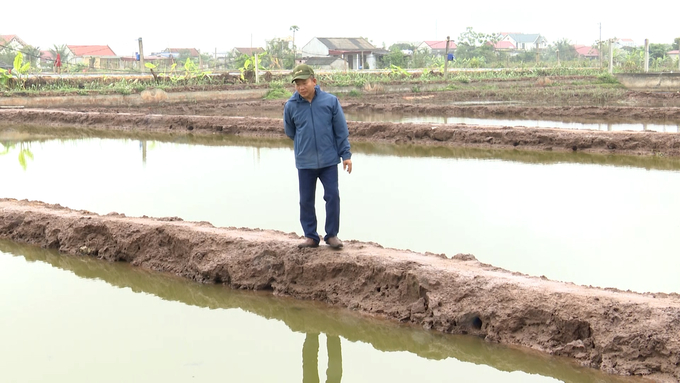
{"points": [[76, 319], [606, 221]]}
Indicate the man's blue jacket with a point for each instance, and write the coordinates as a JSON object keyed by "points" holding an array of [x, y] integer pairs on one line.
{"points": [[318, 130]]}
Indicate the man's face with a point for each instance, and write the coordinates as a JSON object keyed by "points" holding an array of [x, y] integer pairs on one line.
{"points": [[305, 87]]}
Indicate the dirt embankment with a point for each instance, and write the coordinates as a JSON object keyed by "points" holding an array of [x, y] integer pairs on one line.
{"points": [[505, 137], [615, 331]]}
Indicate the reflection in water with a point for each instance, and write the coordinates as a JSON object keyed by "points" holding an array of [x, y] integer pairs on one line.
{"points": [[66, 135], [669, 127], [577, 124], [313, 318], [24, 151], [142, 146], [310, 359]]}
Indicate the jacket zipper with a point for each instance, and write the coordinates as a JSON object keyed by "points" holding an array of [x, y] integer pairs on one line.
{"points": [[316, 145]]}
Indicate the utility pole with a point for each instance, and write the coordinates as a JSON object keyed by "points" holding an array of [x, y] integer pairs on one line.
{"points": [[446, 58], [599, 44], [611, 56], [557, 52], [646, 55], [257, 74], [141, 56], [538, 52]]}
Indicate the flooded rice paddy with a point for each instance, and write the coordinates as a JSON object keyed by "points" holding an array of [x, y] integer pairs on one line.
{"points": [[390, 116], [595, 220]]}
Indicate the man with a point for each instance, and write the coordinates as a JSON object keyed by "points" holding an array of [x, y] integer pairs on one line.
{"points": [[314, 120]]}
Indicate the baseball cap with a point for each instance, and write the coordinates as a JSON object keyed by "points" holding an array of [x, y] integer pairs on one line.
{"points": [[302, 72]]}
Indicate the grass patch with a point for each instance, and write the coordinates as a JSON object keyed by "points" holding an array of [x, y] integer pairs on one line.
{"points": [[606, 78], [276, 92]]}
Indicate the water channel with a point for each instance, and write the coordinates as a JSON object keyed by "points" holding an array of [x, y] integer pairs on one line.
{"points": [[595, 220], [391, 116], [75, 319]]}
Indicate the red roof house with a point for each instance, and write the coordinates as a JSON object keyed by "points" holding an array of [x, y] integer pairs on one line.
{"points": [[91, 51], [437, 47], [586, 51], [94, 56], [504, 45], [12, 42]]}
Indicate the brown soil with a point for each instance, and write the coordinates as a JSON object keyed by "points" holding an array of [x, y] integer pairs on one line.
{"points": [[506, 137], [615, 331]]}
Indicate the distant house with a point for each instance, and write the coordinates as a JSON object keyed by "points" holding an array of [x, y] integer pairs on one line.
{"points": [[237, 52], [191, 52], [328, 63], [46, 59], [436, 47], [624, 43], [525, 42], [357, 52], [673, 54], [11, 43], [584, 51], [504, 45], [94, 56]]}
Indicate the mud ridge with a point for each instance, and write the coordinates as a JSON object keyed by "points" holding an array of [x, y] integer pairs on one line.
{"points": [[617, 332], [506, 137]]}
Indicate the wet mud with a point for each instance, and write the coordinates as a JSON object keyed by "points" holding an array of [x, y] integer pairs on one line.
{"points": [[619, 332], [643, 143]]}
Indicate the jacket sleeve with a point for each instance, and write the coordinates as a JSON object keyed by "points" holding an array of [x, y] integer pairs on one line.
{"points": [[341, 132], [288, 123]]}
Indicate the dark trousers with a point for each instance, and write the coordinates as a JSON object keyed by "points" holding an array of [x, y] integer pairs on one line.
{"points": [[331, 194], [310, 359]]}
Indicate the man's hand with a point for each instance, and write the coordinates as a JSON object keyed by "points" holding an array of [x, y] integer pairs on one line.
{"points": [[347, 165]]}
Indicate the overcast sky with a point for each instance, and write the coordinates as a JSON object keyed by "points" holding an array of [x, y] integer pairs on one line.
{"points": [[195, 24]]}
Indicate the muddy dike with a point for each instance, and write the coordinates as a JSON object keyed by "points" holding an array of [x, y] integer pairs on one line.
{"points": [[618, 332], [506, 137]]}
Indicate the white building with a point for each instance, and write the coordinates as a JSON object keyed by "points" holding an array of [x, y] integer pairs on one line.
{"points": [[356, 52]]}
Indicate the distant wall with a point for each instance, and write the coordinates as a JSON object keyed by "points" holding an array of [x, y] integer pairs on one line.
{"points": [[653, 82]]}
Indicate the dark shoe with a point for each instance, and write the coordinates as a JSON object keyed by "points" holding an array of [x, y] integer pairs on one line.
{"points": [[308, 243], [334, 242]]}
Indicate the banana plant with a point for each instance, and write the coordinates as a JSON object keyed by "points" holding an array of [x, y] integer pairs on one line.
{"points": [[4, 78], [20, 68], [19, 71], [24, 152]]}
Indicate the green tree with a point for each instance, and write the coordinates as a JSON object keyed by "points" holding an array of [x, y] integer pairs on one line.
{"points": [[396, 56], [63, 51], [658, 51], [477, 45], [280, 53], [676, 44], [31, 54], [421, 58], [565, 48]]}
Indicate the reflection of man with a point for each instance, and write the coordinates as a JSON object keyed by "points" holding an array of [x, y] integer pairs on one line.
{"points": [[310, 359]]}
